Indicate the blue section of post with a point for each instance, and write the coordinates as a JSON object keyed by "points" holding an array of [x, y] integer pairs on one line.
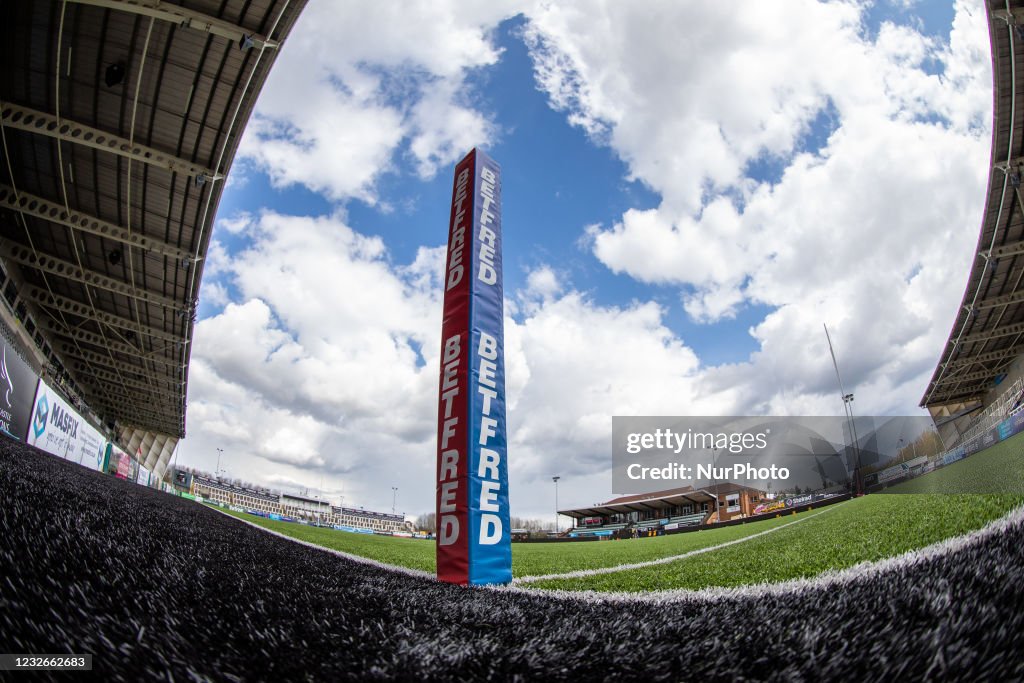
{"points": [[490, 539]]}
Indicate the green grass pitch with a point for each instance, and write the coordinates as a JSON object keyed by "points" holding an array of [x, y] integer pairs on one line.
{"points": [[909, 516]]}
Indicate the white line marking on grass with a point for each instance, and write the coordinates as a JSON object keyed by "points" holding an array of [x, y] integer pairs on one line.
{"points": [[826, 580], [418, 573], [582, 573]]}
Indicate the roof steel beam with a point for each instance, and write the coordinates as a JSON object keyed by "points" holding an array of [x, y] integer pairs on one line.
{"points": [[146, 396], [40, 296], [102, 359], [984, 335], [1002, 300], [164, 385], [187, 18], [25, 256], [58, 328], [958, 396], [1009, 249], [38, 207], [41, 123], [969, 377], [123, 412], [986, 357], [144, 406]]}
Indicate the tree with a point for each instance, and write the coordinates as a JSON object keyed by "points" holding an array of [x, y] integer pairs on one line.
{"points": [[427, 522]]}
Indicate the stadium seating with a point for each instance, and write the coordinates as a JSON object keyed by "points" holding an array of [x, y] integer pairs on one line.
{"points": [[590, 531], [1008, 403], [688, 520], [650, 523]]}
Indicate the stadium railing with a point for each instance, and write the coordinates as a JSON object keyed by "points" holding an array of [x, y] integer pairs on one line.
{"points": [[1009, 403]]}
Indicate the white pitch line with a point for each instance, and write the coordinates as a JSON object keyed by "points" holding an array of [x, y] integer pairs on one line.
{"points": [[830, 579], [418, 573], [583, 573]]}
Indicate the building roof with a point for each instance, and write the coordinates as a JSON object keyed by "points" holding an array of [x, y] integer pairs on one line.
{"points": [[119, 121], [988, 334], [231, 488], [657, 501]]}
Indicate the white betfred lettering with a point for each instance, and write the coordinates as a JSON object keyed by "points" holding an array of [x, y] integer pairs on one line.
{"points": [[448, 397], [452, 346], [486, 253], [449, 465], [490, 529], [448, 491], [448, 379], [448, 431], [488, 394], [487, 272], [488, 347], [458, 237], [487, 425], [448, 530], [489, 496], [488, 275], [488, 370], [488, 466], [488, 237]]}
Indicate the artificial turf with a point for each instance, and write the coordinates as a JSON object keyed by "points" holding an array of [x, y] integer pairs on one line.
{"points": [[528, 559], [158, 588], [931, 508], [868, 528]]}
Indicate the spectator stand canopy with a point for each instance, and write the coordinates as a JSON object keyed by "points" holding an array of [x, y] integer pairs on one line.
{"points": [[660, 503], [987, 339], [119, 120]]}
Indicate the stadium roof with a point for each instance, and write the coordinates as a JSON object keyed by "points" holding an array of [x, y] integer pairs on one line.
{"points": [[988, 334], [657, 501], [119, 122]]}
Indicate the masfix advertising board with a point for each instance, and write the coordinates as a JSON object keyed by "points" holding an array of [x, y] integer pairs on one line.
{"points": [[90, 447], [57, 428], [54, 427], [474, 541], [17, 392]]}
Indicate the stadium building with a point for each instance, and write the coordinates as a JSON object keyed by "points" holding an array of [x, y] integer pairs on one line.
{"points": [[291, 506], [120, 120], [976, 392], [665, 510]]}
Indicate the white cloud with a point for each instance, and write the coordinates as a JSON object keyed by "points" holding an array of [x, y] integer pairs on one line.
{"points": [[326, 363], [358, 82], [864, 232], [316, 371]]}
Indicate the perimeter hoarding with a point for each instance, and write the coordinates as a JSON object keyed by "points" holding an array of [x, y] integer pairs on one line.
{"points": [[57, 428], [474, 541], [17, 392]]}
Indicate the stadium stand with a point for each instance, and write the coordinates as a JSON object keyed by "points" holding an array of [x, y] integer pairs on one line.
{"points": [[120, 120], [983, 354], [687, 520], [287, 505], [677, 507], [601, 530], [1007, 404]]}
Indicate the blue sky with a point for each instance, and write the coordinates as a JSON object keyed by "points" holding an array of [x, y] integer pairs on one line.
{"points": [[688, 196]]}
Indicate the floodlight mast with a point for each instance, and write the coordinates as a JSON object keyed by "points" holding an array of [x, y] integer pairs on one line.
{"points": [[555, 479], [848, 411]]}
